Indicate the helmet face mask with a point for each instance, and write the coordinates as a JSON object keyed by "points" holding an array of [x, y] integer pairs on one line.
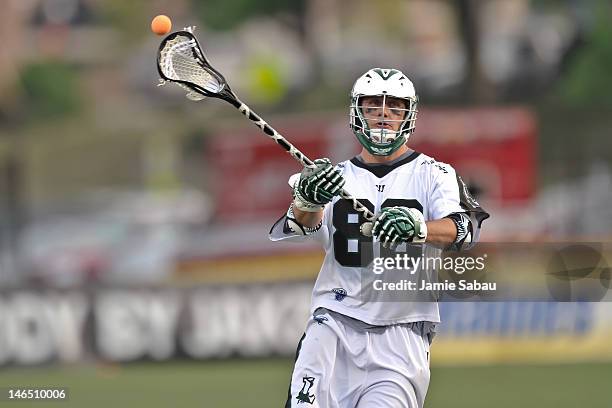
{"points": [[383, 110]]}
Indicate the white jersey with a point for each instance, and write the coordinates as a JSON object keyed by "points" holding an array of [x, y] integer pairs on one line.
{"points": [[416, 181]]}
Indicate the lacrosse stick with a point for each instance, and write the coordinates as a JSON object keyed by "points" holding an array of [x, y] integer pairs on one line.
{"points": [[181, 60]]}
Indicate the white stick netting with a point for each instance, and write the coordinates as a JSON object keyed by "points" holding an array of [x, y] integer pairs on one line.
{"points": [[181, 59]]}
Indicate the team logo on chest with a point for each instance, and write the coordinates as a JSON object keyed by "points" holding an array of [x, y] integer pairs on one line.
{"points": [[380, 187], [340, 294]]}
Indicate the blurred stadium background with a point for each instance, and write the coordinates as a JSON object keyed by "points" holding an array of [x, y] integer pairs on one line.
{"points": [[135, 268]]}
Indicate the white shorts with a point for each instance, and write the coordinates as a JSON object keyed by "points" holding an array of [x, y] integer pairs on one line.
{"points": [[345, 363]]}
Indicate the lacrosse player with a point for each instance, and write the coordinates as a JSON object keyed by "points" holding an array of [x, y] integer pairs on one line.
{"points": [[356, 353]]}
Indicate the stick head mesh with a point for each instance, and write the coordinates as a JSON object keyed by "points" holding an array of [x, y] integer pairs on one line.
{"points": [[181, 60]]}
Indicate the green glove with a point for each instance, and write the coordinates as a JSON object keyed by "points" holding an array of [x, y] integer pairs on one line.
{"points": [[317, 186], [395, 225]]}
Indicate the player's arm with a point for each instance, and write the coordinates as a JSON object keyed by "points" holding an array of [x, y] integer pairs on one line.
{"points": [[452, 203], [308, 219], [455, 217], [395, 225], [315, 187], [441, 233]]}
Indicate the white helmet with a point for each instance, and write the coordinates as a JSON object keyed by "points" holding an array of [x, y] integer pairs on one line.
{"points": [[385, 83]]}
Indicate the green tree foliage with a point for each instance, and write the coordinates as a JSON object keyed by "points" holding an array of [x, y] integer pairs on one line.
{"points": [[132, 17], [588, 80], [227, 14], [51, 89]]}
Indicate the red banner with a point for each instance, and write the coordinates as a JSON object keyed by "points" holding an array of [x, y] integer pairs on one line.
{"points": [[493, 149]]}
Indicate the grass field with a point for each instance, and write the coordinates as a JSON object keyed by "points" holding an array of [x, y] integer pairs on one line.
{"points": [[263, 383]]}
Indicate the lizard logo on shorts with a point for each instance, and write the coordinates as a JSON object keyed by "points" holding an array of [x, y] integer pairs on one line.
{"points": [[320, 319], [304, 394]]}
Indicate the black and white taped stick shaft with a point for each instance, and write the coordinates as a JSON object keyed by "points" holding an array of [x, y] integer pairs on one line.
{"points": [[305, 161], [274, 135]]}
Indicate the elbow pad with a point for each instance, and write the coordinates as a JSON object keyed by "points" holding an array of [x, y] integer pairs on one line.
{"points": [[465, 230]]}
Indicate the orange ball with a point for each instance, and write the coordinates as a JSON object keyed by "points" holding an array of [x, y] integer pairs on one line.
{"points": [[161, 25]]}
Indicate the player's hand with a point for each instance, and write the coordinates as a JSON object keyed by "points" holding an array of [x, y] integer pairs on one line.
{"points": [[396, 225], [317, 186]]}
